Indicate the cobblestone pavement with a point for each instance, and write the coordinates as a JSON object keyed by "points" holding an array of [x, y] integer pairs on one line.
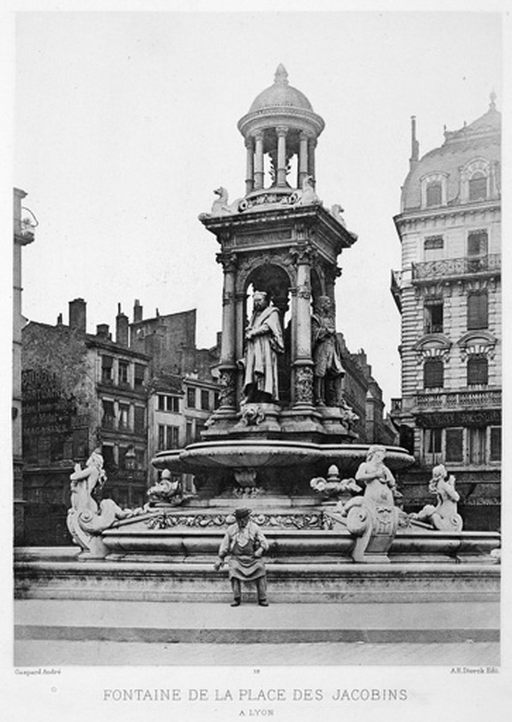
{"points": [[63, 653]]}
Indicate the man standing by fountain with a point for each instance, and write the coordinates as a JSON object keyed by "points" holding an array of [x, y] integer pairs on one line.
{"points": [[264, 340], [246, 544]]}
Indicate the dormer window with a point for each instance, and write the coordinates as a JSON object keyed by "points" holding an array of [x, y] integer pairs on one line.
{"points": [[433, 190], [434, 194], [477, 185], [475, 181]]}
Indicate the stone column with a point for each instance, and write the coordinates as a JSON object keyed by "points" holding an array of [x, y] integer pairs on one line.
{"points": [[303, 158], [228, 346], [240, 314], [259, 171], [281, 155], [249, 176], [311, 156], [302, 360]]}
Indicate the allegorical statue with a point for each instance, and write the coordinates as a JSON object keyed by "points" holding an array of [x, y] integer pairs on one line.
{"points": [[263, 343], [87, 517], [326, 355], [444, 516], [380, 485]]}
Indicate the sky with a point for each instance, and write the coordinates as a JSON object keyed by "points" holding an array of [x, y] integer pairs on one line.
{"points": [[126, 122]]}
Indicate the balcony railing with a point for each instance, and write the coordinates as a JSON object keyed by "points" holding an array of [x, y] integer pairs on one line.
{"points": [[459, 400], [455, 267]]}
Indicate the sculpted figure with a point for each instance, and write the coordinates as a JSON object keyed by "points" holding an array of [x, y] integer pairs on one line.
{"points": [[443, 516], [326, 354], [86, 518], [84, 482], [263, 343], [378, 479], [166, 491], [308, 194], [220, 206]]}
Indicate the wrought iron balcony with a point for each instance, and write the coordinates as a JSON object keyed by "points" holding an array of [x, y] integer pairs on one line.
{"points": [[455, 267], [447, 400]]}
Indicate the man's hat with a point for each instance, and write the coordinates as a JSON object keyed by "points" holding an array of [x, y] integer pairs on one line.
{"points": [[242, 513]]}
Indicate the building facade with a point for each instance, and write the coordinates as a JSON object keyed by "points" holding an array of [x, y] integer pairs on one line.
{"points": [[448, 292], [81, 391]]}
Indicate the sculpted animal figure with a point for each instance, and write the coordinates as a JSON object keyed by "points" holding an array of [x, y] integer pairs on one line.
{"points": [[220, 206], [308, 194]]}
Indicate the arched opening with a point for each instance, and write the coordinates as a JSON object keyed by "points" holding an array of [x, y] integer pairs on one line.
{"points": [[477, 186], [275, 282]]}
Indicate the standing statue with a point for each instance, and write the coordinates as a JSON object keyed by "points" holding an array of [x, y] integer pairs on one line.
{"points": [[326, 355], [264, 341], [444, 515]]}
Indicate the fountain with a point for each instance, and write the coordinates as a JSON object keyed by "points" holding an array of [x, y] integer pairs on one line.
{"points": [[283, 422]]}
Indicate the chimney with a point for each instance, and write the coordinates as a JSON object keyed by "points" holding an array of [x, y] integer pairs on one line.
{"points": [[77, 314], [121, 327], [59, 320], [137, 311], [103, 331], [415, 146]]}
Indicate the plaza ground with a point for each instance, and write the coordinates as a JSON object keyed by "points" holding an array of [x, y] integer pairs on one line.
{"points": [[72, 632]]}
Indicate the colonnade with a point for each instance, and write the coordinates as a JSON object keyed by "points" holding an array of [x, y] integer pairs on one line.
{"points": [[255, 146]]}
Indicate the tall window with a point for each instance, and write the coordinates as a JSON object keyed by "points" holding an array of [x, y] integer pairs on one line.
{"points": [[191, 398], [434, 194], [139, 418], [478, 314], [433, 374], [477, 243], [478, 187], [138, 377], [123, 372], [124, 416], [161, 437], [453, 443], [108, 414], [434, 317], [433, 248], [109, 460], [477, 371], [432, 444], [106, 369], [495, 443], [205, 400], [477, 445]]}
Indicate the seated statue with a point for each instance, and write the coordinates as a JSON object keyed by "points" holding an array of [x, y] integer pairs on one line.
{"points": [[444, 515], [263, 343], [326, 355]]}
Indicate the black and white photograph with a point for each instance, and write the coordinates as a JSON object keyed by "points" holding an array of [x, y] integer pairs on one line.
{"points": [[255, 416]]}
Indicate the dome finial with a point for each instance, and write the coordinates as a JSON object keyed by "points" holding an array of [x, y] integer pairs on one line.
{"points": [[281, 76], [492, 97]]}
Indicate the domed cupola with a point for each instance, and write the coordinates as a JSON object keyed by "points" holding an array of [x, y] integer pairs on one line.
{"points": [[280, 126]]}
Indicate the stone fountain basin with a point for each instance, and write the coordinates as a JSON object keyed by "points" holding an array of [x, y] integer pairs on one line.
{"points": [[252, 453]]}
